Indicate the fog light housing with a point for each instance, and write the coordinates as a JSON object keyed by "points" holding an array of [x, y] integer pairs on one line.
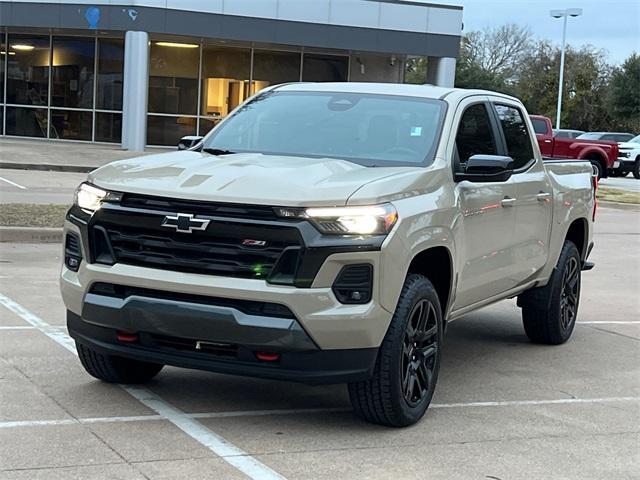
{"points": [[354, 284], [72, 252]]}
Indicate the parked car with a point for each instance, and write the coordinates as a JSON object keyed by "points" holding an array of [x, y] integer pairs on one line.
{"points": [[602, 154], [564, 133], [629, 158], [327, 233], [608, 136]]}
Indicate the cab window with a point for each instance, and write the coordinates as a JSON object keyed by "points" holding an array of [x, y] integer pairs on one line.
{"points": [[516, 135], [475, 135]]}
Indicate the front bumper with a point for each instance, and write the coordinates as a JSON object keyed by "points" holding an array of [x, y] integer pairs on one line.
{"points": [[312, 366]]}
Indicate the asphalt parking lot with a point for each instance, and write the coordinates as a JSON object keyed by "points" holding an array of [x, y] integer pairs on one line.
{"points": [[503, 409]]}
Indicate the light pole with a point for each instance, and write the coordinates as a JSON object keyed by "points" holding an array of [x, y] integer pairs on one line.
{"points": [[565, 14]]}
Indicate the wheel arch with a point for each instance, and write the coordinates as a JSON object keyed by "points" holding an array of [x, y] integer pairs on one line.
{"points": [[578, 233], [596, 154], [436, 264]]}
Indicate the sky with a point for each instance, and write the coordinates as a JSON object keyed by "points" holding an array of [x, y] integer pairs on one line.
{"points": [[612, 25]]}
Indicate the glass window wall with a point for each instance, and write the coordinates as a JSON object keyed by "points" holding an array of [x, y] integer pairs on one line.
{"points": [[51, 82]]}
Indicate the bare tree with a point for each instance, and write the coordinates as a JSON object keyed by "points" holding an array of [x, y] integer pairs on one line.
{"points": [[498, 50]]}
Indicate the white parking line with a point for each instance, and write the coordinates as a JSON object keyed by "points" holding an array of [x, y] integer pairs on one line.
{"points": [[28, 327], [305, 411], [12, 183], [609, 322], [227, 451]]}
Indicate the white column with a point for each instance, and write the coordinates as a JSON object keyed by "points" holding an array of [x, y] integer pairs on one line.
{"points": [[441, 71], [135, 91]]}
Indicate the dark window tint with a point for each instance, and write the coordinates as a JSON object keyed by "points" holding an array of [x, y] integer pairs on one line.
{"points": [[617, 137], [3, 59], [173, 78], [539, 126], [71, 124], [272, 68], [27, 122], [72, 72], [324, 68], [28, 70], [516, 135], [474, 134], [169, 130], [108, 127], [110, 68]]}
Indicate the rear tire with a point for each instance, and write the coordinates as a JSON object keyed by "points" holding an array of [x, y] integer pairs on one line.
{"points": [[113, 369], [636, 169], [597, 169], [549, 313], [406, 370]]}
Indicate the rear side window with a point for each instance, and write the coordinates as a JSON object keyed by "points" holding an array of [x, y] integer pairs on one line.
{"points": [[563, 135], [539, 126], [475, 135], [516, 135]]}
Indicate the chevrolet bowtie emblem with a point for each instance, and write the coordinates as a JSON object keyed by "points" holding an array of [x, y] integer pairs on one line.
{"points": [[185, 223]]}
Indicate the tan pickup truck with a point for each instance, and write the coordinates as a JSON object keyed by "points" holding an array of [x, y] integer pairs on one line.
{"points": [[327, 233]]}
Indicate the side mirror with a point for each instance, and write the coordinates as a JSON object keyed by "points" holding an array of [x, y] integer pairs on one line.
{"points": [[486, 168], [188, 142]]}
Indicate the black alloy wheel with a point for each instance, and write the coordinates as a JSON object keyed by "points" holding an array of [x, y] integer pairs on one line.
{"points": [[419, 352], [570, 293]]}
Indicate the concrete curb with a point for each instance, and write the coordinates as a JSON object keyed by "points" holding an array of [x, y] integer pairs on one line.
{"points": [[47, 167], [30, 235], [620, 206]]}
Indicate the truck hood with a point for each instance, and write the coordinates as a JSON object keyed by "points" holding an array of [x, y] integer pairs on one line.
{"points": [[247, 178], [628, 146]]}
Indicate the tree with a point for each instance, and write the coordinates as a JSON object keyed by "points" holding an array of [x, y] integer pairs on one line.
{"points": [[586, 79], [624, 95], [416, 71]]}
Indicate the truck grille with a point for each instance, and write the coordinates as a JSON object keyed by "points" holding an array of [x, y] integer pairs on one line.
{"points": [[227, 247]]}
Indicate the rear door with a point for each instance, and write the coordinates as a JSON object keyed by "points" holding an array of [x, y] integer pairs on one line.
{"points": [[487, 218], [533, 192]]}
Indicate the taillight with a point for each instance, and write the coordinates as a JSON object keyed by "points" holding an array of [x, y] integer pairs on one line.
{"points": [[594, 182]]}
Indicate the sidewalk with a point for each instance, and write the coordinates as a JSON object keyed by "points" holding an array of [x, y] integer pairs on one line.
{"points": [[61, 156]]}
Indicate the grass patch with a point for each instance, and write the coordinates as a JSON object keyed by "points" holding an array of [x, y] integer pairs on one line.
{"points": [[32, 215], [607, 194]]}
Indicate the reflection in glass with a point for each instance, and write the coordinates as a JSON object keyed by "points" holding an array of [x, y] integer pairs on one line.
{"points": [[225, 79], [206, 124], [27, 122], [28, 70], [325, 68], [110, 74], [272, 68], [72, 72], [168, 130], [173, 79], [71, 125], [108, 127]]}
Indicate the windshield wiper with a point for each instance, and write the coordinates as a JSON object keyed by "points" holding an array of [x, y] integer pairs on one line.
{"points": [[218, 151]]}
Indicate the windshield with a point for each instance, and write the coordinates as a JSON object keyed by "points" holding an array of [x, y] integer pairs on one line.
{"points": [[635, 139], [366, 129]]}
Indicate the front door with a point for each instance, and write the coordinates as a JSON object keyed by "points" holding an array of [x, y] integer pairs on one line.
{"points": [[487, 217]]}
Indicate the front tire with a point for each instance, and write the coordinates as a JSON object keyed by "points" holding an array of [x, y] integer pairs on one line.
{"points": [[113, 369], [597, 169], [636, 169], [549, 313], [406, 370]]}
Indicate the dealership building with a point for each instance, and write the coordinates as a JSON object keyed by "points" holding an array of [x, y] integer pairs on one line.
{"points": [[147, 72]]}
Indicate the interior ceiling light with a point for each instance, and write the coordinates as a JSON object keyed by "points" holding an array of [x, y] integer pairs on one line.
{"points": [[23, 48], [176, 45]]}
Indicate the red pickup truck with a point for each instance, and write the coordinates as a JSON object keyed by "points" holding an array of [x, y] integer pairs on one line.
{"points": [[602, 154]]}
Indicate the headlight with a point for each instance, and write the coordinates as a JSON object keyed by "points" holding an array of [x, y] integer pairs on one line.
{"points": [[368, 220], [88, 197]]}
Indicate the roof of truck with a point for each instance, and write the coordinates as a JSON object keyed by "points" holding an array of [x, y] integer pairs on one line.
{"points": [[403, 89]]}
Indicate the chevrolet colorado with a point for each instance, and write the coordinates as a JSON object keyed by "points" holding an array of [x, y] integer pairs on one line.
{"points": [[327, 233]]}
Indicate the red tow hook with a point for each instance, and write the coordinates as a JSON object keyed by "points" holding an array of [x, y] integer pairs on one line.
{"points": [[125, 337], [268, 356]]}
